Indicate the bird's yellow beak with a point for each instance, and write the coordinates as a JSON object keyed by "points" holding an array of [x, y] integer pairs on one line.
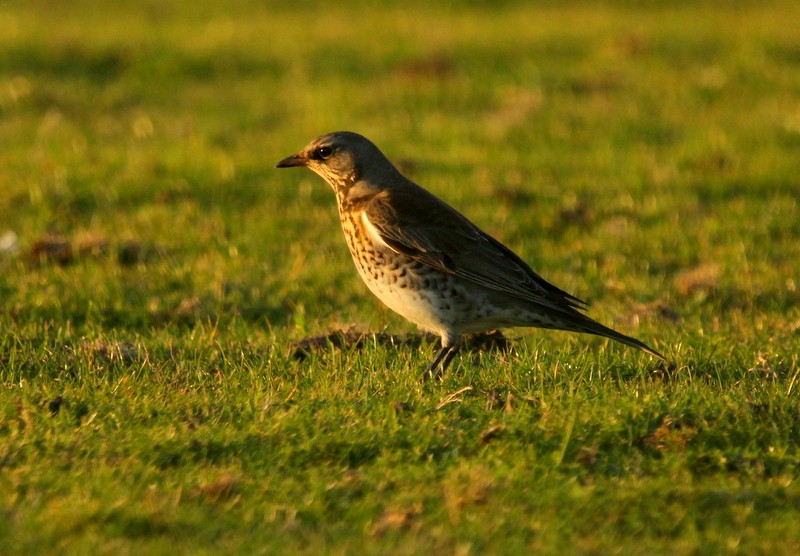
{"points": [[291, 161]]}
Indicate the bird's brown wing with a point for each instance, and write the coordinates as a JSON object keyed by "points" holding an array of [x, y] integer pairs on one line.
{"points": [[415, 223]]}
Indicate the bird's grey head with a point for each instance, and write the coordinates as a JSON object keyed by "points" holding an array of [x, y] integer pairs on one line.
{"points": [[343, 159]]}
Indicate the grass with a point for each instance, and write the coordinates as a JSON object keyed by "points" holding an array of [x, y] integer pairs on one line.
{"points": [[154, 268]]}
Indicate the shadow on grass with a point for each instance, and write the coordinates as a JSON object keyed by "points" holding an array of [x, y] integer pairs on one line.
{"points": [[352, 339]]}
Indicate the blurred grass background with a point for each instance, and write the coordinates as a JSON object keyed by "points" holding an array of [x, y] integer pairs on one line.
{"points": [[154, 267]]}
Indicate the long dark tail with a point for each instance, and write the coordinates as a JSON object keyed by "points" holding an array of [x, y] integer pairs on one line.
{"points": [[590, 326]]}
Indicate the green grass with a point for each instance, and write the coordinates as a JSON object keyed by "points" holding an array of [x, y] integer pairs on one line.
{"points": [[640, 155]]}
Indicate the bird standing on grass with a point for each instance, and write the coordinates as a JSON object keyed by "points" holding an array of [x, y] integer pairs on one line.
{"points": [[427, 262]]}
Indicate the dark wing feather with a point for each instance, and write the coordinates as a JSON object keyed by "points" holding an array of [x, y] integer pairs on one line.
{"points": [[419, 225]]}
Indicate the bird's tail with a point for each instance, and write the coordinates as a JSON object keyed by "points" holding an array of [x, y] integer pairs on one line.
{"points": [[590, 326]]}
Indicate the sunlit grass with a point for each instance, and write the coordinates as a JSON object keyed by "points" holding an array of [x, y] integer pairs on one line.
{"points": [[155, 269]]}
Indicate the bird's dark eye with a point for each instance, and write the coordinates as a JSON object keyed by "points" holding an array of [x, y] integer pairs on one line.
{"points": [[323, 153]]}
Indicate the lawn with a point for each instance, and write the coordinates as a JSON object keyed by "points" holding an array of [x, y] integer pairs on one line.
{"points": [[156, 269]]}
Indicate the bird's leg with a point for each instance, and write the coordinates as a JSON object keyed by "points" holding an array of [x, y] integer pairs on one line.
{"points": [[443, 358]]}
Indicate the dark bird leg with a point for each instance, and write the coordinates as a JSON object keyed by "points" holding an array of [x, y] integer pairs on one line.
{"points": [[443, 358]]}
